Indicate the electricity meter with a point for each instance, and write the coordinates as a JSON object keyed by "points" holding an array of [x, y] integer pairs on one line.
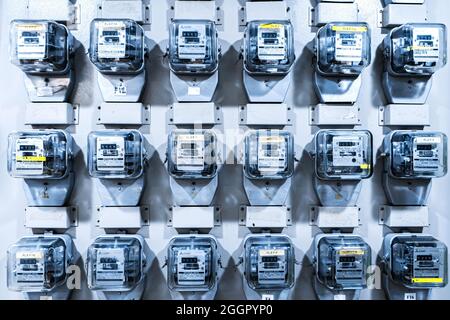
{"points": [[269, 262], [192, 154], [117, 46], [343, 48], [193, 47], [269, 47], [39, 263], [40, 47], [342, 261], [343, 154], [268, 154], [416, 154], [115, 263], [416, 261], [40, 154], [116, 154], [416, 49], [192, 263]]}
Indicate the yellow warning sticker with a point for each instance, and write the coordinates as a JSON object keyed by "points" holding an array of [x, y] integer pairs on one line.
{"points": [[31, 27], [365, 166], [349, 29], [427, 280], [351, 252], [271, 26], [31, 159], [271, 139]]}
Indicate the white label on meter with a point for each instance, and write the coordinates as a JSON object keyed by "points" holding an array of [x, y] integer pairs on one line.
{"points": [[192, 41], [110, 266], [271, 42], [31, 41], [425, 45], [272, 153], [190, 152], [110, 154], [428, 140], [30, 156], [347, 151], [112, 39], [349, 43]]}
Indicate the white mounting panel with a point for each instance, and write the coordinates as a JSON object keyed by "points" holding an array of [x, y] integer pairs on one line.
{"points": [[405, 1], [122, 217], [125, 9], [195, 10], [261, 114], [265, 217], [398, 217], [334, 217], [195, 113], [51, 217], [404, 115], [123, 113], [397, 14], [58, 10], [334, 114], [51, 113], [326, 12], [266, 10], [194, 217]]}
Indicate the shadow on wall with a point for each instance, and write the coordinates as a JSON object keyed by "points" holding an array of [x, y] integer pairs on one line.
{"points": [[303, 71]]}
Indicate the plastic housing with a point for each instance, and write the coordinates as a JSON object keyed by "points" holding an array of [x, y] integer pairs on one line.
{"points": [[39, 263], [117, 46], [269, 262], [193, 47], [40, 46], [416, 49], [343, 48], [37, 154], [269, 47], [416, 154], [344, 154], [192, 263], [115, 263], [342, 262], [116, 154], [268, 154], [192, 154]]}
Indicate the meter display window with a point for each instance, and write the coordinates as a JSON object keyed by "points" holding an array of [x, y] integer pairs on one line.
{"points": [[192, 263], [418, 261], [39, 154], [418, 154], [344, 154], [269, 262], [416, 49], [117, 46], [38, 263], [115, 263], [192, 154], [269, 154], [343, 48], [193, 46], [342, 262], [116, 154], [39, 46], [269, 47]]}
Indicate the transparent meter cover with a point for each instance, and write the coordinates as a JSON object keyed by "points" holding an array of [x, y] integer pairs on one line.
{"points": [[116, 154], [343, 48], [39, 154], [269, 47], [416, 49], [418, 261], [117, 46], [192, 263], [344, 154], [40, 46], [38, 263], [192, 154], [417, 154], [115, 263], [342, 262], [193, 47], [269, 262], [268, 154]]}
